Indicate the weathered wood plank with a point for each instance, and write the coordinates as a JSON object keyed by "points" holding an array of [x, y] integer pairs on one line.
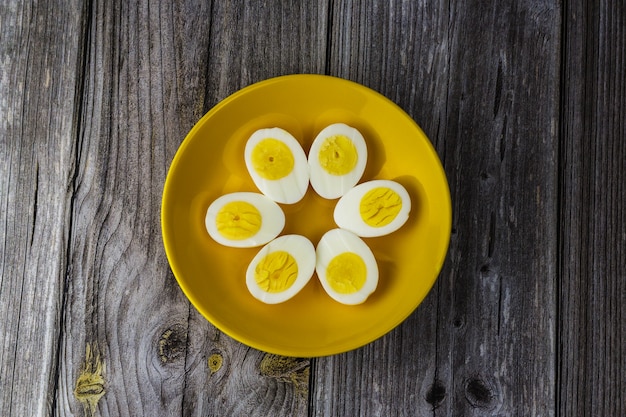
{"points": [[499, 317], [125, 328], [401, 51], [39, 73], [592, 292], [152, 71], [251, 41], [482, 80]]}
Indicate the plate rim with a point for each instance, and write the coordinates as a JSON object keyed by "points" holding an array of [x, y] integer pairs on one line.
{"points": [[331, 349]]}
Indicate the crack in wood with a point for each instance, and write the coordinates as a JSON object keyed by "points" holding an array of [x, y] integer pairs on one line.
{"points": [[498, 96], [35, 204], [492, 235], [503, 138]]}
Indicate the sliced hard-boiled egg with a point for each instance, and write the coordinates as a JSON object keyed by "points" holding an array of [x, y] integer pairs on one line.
{"points": [[337, 160], [277, 164], [346, 267], [281, 269], [373, 208], [244, 220]]}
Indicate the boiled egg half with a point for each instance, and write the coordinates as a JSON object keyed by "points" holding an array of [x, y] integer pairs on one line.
{"points": [[373, 208], [281, 269], [346, 267], [277, 164], [337, 160], [244, 220]]}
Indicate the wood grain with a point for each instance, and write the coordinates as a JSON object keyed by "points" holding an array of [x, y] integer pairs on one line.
{"points": [[122, 300], [524, 102], [252, 41], [39, 69], [143, 92], [592, 291], [486, 78], [496, 312], [401, 51]]}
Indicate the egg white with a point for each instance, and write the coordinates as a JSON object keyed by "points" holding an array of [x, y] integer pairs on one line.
{"points": [[335, 242], [331, 186], [347, 214], [301, 249], [291, 188], [272, 219]]}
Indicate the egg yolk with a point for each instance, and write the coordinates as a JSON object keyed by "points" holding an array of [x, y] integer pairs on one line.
{"points": [[346, 273], [238, 220], [379, 206], [272, 159], [338, 155], [276, 272]]}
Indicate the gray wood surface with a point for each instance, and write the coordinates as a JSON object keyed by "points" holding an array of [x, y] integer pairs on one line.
{"points": [[497, 77], [525, 102], [592, 238], [39, 113]]}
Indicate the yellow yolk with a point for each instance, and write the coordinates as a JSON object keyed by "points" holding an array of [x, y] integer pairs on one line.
{"points": [[338, 155], [346, 273], [380, 206], [276, 272], [272, 159], [238, 220]]}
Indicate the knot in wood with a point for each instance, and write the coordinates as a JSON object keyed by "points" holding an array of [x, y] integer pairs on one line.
{"points": [[479, 394], [436, 394], [90, 383], [215, 362], [86, 388], [172, 344], [287, 369], [280, 366], [487, 183]]}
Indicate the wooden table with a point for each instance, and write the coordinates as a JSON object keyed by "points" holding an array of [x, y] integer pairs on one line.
{"points": [[525, 102]]}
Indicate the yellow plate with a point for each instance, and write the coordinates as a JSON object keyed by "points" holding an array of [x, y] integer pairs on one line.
{"points": [[210, 163]]}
